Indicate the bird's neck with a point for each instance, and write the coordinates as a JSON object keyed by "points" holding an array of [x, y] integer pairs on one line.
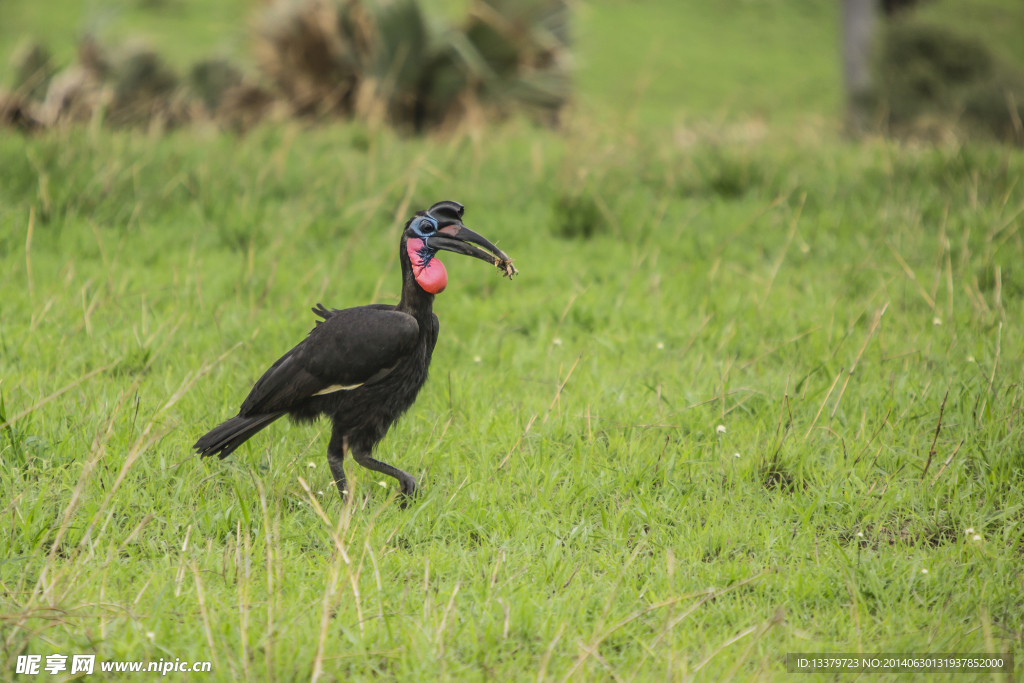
{"points": [[415, 301]]}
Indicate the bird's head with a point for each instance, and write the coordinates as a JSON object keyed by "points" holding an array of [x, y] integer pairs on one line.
{"points": [[440, 227]]}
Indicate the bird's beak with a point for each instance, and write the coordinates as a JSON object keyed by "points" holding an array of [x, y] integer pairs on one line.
{"points": [[459, 239]]}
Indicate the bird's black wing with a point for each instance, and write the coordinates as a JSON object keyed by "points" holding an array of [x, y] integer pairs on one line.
{"points": [[328, 313], [347, 349]]}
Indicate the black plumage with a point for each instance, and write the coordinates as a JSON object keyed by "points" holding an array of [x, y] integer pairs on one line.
{"points": [[362, 367]]}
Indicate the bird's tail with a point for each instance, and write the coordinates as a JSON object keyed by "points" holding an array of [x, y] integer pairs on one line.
{"points": [[223, 439]]}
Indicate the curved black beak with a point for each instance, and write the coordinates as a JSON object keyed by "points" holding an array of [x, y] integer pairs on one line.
{"points": [[459, 239]]}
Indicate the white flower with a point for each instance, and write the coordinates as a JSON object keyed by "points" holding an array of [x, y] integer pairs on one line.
{"points": [[660, 346], [968, 531], [476, 359], [970, 359], [150, 635], [720, 429], [382, 484], [936, 321], [311, 465], [924, 571], [557, 341], [860, 535], [320, 493], [735, 455], [977, 537]]}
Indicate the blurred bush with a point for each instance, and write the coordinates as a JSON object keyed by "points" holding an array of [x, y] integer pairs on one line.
{"points": [[930, 76], [380, 62], [521, 52], [894, 8], [211, 79], [17, 111], [316, 53], [33, 69], [145, 90], [80, 91], [394, 63]]}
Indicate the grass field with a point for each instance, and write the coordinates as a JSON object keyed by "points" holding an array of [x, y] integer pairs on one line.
{"points": [[773, 405], [577, 494]]}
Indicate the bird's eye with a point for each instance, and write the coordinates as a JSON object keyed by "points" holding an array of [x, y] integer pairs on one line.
{"points": [[426, 226]]}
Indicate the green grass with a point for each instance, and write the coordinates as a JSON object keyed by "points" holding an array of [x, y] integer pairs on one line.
{"points": [[577, 495], [672, 60], [819, 300]]}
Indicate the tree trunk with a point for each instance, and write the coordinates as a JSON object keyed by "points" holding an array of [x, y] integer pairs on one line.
{"points": [[858, 27]]}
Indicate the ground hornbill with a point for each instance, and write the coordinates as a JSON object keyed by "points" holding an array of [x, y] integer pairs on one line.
{"points": [[362, 367]]}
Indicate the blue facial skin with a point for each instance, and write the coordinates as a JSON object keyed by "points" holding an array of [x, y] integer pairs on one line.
{"points": [[425, 226]]}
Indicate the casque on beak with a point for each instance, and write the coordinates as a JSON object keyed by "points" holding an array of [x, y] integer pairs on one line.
{"points": [[453, 236]]}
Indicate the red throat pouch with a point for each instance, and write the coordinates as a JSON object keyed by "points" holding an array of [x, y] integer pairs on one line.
{"points": [[432, 277]]}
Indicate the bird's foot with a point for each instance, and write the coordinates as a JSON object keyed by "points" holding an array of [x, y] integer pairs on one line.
{"points": [[407, 486], [406, 483]]}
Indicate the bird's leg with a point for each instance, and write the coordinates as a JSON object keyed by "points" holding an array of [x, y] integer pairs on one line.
{"points": [[335, 457], [364, 457]]}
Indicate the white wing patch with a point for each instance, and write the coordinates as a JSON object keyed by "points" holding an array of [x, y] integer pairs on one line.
{"points": [[337, 387]]}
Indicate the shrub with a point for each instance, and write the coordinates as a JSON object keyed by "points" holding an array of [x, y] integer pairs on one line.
{"points": [[336, 58], [928, 71]]}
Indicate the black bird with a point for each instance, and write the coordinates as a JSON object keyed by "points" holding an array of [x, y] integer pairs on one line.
{"points": [[363, 367]]}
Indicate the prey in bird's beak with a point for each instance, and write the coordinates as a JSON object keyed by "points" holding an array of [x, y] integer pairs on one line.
{"points": [[453, 236]]}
